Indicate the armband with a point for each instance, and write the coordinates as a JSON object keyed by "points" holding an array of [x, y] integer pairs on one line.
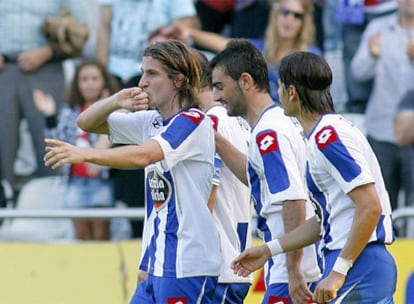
{"points": [[342, 265], [274, 247]]}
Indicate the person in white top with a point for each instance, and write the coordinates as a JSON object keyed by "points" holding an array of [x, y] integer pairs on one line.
{"points": [[274, 168], [353, 217], [179, 229], [229, 201]]}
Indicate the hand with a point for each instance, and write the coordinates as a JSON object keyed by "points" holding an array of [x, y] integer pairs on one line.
{"points": [[327, 288], [133, 99], [32, 60], [250, 260], [44, 102], [59, 153], [142, 276], [182, 30], [298, 288], [375, 45]]}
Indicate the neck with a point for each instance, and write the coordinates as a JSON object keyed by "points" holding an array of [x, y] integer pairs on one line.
{"points": [[308, 121], [257, 104], [170, 109]]}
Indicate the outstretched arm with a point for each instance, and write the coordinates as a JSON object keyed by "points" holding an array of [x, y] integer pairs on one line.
{"points": [[59, 153], [94, 118], [254, 258]]}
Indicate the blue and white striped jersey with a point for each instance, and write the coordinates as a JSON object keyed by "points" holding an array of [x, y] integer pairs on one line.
{"points": [[180, 238], [339, 160], [276, 170]]}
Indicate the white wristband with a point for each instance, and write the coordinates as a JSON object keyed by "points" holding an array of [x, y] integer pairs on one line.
{"points": [[274, 247], [342, 265]]}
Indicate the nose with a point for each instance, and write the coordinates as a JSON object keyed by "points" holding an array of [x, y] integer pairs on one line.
{"points": [[217, 96], [143, 82]]}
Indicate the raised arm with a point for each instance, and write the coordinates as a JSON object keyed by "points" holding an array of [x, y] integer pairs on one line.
{"points": [[94, 118]]}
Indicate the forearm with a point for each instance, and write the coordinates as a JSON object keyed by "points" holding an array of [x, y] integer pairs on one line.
{"points": [[306, 234], [211, 41], [293, 214], [367, 213], [233, 158], [104, 31], [94, 118]]}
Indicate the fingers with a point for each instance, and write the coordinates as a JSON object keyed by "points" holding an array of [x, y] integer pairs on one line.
{"points": [[54, 157]]}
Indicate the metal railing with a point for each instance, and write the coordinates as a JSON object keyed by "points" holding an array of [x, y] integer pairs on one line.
{"points": [[402, 212], [87, 213]]}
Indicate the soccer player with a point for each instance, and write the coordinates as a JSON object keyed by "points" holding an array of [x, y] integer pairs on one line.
{"points": [[274, 168], [353, 215], [229, 201], [181, 251]]}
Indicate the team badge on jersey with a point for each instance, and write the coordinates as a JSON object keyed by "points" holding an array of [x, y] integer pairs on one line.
{"points": [[267, 142], [325, 137], [177, 301], [160, 189]]}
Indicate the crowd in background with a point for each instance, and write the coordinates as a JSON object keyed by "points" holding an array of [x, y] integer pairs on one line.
{"points": [[369, 44]]}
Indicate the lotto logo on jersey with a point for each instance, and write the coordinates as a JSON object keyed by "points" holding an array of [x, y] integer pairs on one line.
{"points": [[267, 142], [177, 301], [325, 137], [215, 121], [194, 116]]}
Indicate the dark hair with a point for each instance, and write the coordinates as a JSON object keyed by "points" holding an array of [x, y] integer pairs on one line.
{"points": [[311, 75], [177, 58], [73, 95], [240, 56]]}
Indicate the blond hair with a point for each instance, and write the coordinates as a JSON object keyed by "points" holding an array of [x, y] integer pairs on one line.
{"points": [[304, 39]]}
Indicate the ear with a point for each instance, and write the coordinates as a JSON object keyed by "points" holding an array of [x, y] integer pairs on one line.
{"points": [[245, 81], [292, 92], [179, 81]]}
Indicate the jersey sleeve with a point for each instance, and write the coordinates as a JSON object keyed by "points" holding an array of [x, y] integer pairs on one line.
{"points": [[342, 157], [280, 166], [134, 127], [184, 138]]}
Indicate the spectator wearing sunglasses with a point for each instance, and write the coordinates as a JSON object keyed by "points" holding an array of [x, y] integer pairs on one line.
{"points": [[290, 28]]}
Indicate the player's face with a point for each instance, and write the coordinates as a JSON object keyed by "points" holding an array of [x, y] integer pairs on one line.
{"points": [[227, 91], [91, 83], [155, 82]]}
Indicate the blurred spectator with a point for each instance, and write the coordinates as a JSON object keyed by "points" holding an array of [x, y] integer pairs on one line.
{"points": [[215, 16], [290, 29], [385, 55], [354, 17], [124, 30], [234, 18], [89, 185], [404, 136], [27, 61]]}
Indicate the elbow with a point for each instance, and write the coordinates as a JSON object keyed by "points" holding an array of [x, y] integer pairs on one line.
{"points": [[82, 122]]}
